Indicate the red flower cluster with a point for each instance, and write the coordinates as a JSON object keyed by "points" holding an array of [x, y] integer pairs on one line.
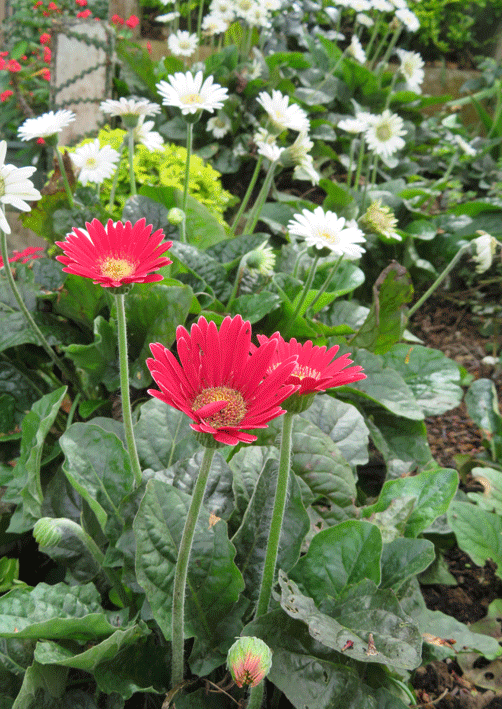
{"points": [[28, 254], [12, 65], [47, 54], [5, 95], [45, 38], [84, 14], [132, 22], [117, 20], [82, 3]]}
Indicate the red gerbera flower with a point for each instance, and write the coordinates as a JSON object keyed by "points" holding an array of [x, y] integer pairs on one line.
{"points": [[317, 368], [218, 382], [115, 254]]}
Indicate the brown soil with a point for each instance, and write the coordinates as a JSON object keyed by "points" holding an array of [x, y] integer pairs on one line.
{"points": [[440, 684]]}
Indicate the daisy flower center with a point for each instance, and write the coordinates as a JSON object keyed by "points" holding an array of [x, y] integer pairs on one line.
{"points": [[117, 268], [230, 415], [328, 236], [191, 99], [384, 132], [91, 163], [302, 372]]}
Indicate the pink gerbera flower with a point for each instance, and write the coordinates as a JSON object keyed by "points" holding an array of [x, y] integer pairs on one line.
{"points": [[317, 368], [218, 383], [115, 254]]}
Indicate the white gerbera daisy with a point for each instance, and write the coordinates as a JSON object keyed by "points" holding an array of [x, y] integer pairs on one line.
{"points": [[166, 2], [360, 5], [15, 187], [364, 20], [464, 145], [96, 164], [326, 230], [412, 68], [271, 151], [384, 134], [355, 49], [408, 18], [182, 43], [357, 124], [382, 5], [333, 13], [257, 16], [225, 8], [281, 114], [46, 125], [168, 17], [187, 92], [144, 134], [129, 107], [214, 23], [219, 125], [243, 6]]}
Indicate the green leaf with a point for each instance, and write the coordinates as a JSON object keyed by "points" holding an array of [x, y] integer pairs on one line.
{"points": [[344, 424], [38, 682], [360, 611], [14, 331], [98, 361], [433, 378], [203, 266], [255, 306], [336, 196], [55, 612], [213, 583], [481, 401], [445, 626], [403, 558], [138, 207], [98, 467], [246, 466], [433, 491], [252, 536], [339, 557], [80, 300], [490, 499], [9, 573], [478, 533], [308, 674], [386, 321], [36, 425], [163, 435]]}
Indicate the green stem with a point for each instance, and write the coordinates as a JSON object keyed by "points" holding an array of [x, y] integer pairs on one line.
{"points": [[260, 200], [391, 45], [132, 177], [187, 180], [359, 167], [199, 24], [297, 262], [238, 278], [324, 286], [180, 577], [351, 161], [305, 291], [38, 333], [256, 696], [124, 388], [115, 179], [370, 44], [247, 196], [382, 44], [64, 176], [438, 280], [267, 580]]}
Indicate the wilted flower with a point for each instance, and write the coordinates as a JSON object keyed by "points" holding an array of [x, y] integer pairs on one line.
{"points": [[143, 133], [484, 247], [249, 661], [356, 50], [261, 260], [464, 145], [218, 382], [380, 219]]}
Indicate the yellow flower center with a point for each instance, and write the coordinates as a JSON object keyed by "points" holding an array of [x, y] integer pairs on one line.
{"points": [[117, 268], [91, 163], [191, 99], [383, 132], [303, 372], [230, 415], [328, 236]]}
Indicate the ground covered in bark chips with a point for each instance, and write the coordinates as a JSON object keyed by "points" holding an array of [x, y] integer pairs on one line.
{"points": [[444, 685]]}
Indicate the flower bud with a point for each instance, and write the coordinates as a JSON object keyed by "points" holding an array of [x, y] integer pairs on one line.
{"points": [[249, 661], [175, 216]]}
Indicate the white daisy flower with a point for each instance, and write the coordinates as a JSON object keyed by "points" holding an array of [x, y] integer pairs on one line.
{"points": [[326, 230], [272, 5], [214, 23], [168, 17], [464, 145], [357, 124], [408, 18], [219, 125], [257, 16], [96, 164], [382, 5], [364, 20], [182, 43], [271, 151], [360, 5], [243, 6], [484, 247], [15, 187], [144, 134], [224, 8], [412, 68], [187, 92], [298, 155], [355, 49], [333, 13], [399, 4], [129, 107], [166, 2], [383, 135], [281, 114], [46, 125]]}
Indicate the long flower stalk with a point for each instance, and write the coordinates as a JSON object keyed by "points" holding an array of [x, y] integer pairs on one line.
{"points": [[132, 176], [324, 286], [180, 576], [247, 196], [260, 200], [305, 291], [113, 190], [183, 237], [124, 388], [64, 176]]}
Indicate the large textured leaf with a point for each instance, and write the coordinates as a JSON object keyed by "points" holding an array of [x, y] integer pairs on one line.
{"points": [[481, 401], [42, 686], [403, 558], [386, 320], [80, 300], [491, 497], [385, 387], [36, 425], [360, 612], [98, 467], [246, 466], [214, 582], [433, 378], [309, 674], [478, 533], [163, 435], [252, 536], [56, 612], [98, 360], [14, 331], [344, 424], [339, 557], [433, 491], [442, 625]]}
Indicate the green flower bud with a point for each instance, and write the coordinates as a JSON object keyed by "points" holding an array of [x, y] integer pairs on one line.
{"points": [[175, 216], [249, 661]]}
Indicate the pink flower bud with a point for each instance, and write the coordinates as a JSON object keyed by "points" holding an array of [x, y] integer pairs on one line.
{"points": [[249, 661]]}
